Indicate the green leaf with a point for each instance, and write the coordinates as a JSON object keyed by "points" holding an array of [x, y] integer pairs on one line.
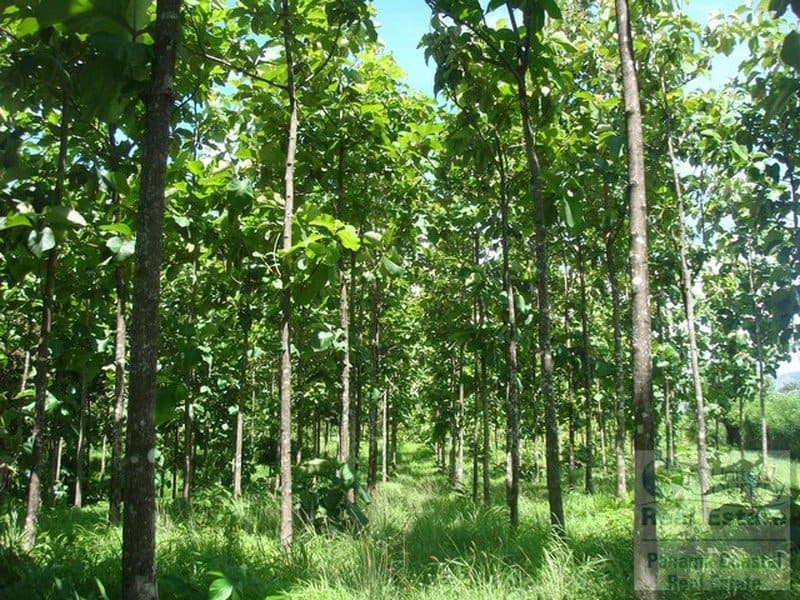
{"points": [[739, 151], [790, 53], [181, 221], [63, 215], [349, 238], [220, 589], [41, 242], [122, 248], [326, 222], [15, 220], [120, 228], [322, 340], [391, 268]]}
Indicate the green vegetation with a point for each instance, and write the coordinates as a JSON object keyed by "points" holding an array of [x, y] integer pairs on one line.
{"points": [[272, 321], [424, 540]]}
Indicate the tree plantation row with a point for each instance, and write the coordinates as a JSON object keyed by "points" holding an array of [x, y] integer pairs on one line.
{"points": [[238, 250]]}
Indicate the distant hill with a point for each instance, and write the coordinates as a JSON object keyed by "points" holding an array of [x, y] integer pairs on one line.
{"points": [[786, 378]]}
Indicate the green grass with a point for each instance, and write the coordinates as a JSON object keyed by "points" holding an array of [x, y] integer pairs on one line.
{"points": [[424, 541]]}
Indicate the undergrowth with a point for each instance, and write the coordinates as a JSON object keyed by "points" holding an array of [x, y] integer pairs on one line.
{"points": [[424, 541]]}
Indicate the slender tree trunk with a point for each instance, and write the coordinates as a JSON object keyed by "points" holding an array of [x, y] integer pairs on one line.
{"points": [[188, 443], [545, 343], [482, 398], [460, 425], [571, 430], [115, 499], [762, 388], [644, 531], [39, 432], [176, 446], [344, 454], [139, 523], [26, 369], [452, 417], [619, 381], [668, 427], [601, 424], [571, 466], [80, 450], [286, 297], [385, 435], [59, 453], [688, 304], [239, 439], [372, 462], [512, 396], [103, 458], [587, 373], [485, 420]]}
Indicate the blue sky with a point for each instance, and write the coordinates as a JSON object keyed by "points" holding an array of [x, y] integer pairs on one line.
{"points": [[404, 22]]}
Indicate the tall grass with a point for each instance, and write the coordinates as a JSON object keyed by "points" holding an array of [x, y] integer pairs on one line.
{"points": [[424, 541]]}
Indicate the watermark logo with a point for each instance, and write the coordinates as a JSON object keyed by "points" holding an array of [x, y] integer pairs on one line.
{"points": [[741, 544]]}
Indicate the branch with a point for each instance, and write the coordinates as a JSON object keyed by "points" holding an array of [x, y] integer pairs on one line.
{"points": [[203, 52]]}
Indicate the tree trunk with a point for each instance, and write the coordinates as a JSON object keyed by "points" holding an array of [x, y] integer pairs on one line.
{"points": [[385, 435], [460, 425], [239, 439], [644, 531], [176, 446], [59, 453], [512, 396], [619, 381], [571, 430], [80, 450], [286, 296], [139, 522], [587, 373], [103, 452], [115, 499], [540, 226], [452, 417], [39, 432], [375, 389], [344, 454], [688, 304], [188, 443], [762, 388]]}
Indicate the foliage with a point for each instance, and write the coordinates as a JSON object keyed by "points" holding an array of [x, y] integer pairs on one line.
{"points": [[783, 423], [330, 495]]}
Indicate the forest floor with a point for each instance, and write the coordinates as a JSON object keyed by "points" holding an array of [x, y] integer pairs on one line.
{"points": [[424, 540]]}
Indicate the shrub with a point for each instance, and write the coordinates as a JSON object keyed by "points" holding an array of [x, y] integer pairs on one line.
{"points": [[783, 423]]}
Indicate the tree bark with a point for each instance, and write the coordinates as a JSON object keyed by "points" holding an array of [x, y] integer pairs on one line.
{"points": [[80, 450], [139, 523], [460, 425], [554, 495], [385, 435], [286, 297], [239, 435], [644, 531], [619, 381], [115, 499], [39, 432], [188, 433], [375, 389], [344, 454], [762, 388], [587, 373], [688, 303], [512, 396]]}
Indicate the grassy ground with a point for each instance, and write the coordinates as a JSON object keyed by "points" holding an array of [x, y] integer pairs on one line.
{"points": [[424, 541]]}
